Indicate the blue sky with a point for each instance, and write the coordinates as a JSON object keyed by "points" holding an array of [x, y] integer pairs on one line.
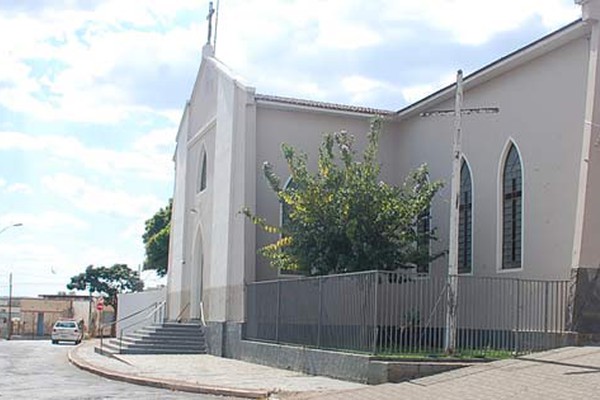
{"points": [[91, 93]]}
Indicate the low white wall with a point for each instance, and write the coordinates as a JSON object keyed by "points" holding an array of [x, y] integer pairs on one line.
{"points": [[130, 303]]}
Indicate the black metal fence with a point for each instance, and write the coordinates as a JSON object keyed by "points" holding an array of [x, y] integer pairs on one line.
{"points": [[381, 312]]}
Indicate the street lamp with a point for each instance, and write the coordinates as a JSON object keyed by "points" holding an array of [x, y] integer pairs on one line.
{"points": [[9, 334]]}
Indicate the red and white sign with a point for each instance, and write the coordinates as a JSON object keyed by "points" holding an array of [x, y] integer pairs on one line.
{"points": [[100, 304]]}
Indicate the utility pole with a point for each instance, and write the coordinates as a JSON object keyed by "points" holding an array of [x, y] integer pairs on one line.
{"points": [[452, 278], [9, 333], [9, 307], [450, 342], [89, 318]]}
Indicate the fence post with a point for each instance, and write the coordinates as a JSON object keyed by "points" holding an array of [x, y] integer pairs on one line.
{"points": [[375, 314], [518, 316], [546, 302], [320, 312], [278, 311]]}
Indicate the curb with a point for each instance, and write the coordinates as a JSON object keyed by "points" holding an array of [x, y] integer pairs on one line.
{"points": [[166, 383]]}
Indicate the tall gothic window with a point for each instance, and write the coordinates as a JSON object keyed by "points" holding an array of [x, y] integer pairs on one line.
{"points": [[423, 241], [285, 217], [465, 234], [512, 206], [202, 175], [285, 209]]}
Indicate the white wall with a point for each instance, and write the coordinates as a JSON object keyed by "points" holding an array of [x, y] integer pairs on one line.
{"points": [[302, 129], [541, 108], [175, 270], [130, 303]]}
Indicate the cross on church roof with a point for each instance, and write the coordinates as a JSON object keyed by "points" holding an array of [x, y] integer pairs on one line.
{"points": [[211, 11]]}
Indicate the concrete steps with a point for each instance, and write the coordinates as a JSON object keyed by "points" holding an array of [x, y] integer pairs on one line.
{"points": [[168, 338]]}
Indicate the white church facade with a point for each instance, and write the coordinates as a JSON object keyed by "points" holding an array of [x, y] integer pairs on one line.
{"points": [[530, 172]]}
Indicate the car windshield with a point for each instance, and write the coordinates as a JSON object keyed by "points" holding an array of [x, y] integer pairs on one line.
{"points": [[65, 324]]}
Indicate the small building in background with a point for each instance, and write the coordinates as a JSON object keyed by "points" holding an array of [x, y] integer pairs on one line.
{"points": [[34, 317]]}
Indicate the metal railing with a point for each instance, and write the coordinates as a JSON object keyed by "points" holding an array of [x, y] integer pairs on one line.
{"points": [[157, 315], [180, 315], [156, 312], [380, 312], [202, 320]]}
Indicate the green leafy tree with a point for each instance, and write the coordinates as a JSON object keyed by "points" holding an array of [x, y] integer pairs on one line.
{"points": [[343, 218], [156, 240], [107, 281]]}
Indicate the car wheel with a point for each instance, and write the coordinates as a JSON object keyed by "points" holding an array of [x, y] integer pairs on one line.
{"points": [[77, 342], [54, 341]]}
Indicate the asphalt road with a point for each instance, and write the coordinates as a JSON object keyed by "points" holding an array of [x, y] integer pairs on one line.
{"points": [[41, 370]]}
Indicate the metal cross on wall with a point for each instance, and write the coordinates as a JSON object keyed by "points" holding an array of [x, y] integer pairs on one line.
{"points": [[458, 112]]}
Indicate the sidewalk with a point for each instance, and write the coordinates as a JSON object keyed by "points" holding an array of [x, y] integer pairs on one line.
{"points": [[567, 373], [206, 374]]}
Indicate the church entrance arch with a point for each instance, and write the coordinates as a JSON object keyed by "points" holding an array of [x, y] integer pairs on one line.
{"points": [[196, 274]]}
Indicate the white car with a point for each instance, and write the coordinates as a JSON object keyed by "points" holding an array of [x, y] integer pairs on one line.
{"points": [[68, 331]]}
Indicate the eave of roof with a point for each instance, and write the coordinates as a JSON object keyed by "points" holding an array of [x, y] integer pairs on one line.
{"points": [[319, 105], [533, 50]]}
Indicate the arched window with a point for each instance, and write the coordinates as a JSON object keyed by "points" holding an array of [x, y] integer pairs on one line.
{"points": [[285, 217], [512, 207], [465, 230], [202, 176], [285, 208], [423, 240]]}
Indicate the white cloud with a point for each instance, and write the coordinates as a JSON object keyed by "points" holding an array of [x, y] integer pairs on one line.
{"points": [[2, 182], [94, 61], [301, 31], [347, 35], [22, 188], [84, 57], [135, 230], [361, 88], [44, 221], [95, 199], [32, 253], [475, 22], [150, 156], [417, 92], [158, 141]]}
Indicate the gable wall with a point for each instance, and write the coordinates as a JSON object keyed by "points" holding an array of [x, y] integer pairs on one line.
{"points": [[541, 107], [304, 131]]}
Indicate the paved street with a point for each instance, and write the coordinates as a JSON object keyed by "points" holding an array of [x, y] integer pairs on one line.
{"points": [[40, 370]]}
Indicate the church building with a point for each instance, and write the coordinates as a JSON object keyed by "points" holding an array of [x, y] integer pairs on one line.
{"points": [[529, 174]]}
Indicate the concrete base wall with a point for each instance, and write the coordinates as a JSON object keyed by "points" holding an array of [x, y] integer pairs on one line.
{"points": [[225, 340], [214, 338], [585, 313]]}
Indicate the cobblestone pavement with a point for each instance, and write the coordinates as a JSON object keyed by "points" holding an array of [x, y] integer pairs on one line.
{"points": [[215, 374], [567, 373]]}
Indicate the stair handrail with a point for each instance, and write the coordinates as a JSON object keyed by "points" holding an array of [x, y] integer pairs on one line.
{"points": [[178, 319], [202, 321], [103, 325], [158, 307]]}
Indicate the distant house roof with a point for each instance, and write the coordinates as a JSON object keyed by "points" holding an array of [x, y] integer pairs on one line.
{"points": [[321, 105], [64, 297]]}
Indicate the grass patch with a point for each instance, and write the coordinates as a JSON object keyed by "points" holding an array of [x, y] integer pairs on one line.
{"points": [[461, 355]]}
